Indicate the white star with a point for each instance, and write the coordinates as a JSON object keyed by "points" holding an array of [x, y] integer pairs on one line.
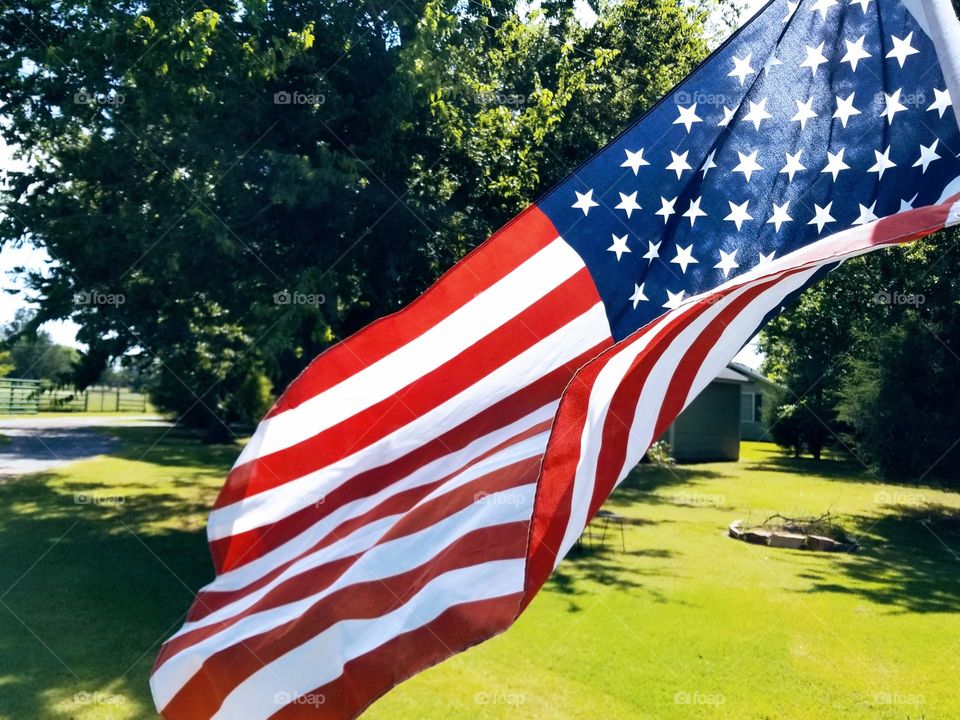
{"points": [[694, 211], [738, 214], [758, 113], [835, 164], [764, 259], [906, 205], [638, 295], [679, 163], [748, 164], [780, 215], [822, 216], [822, 6], [634, 160], [866, 214], [772, 61], [585, 201], [709, 163], [883, 163], [942, 102], [791, 9], [685, 257], [893, 105], [742, 68], [673, 300], [653, 252], [927, 155], [855, 53], [845, 109], [688, 116], [628, 203], [815, 58], [619, 246], [862, 3], [728, 115], [793, 165], [902, 49], [667, 209], [728, 262], [804, 112]]}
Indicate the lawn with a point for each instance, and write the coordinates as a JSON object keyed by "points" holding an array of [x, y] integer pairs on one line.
{"points": [[685, 623]]}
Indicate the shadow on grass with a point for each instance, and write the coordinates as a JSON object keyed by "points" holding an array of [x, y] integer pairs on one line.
{"points": [[89, 590], [908, 561], [643, 482]]}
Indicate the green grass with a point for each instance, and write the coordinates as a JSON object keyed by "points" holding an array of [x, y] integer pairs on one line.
{"points": [[685, 612]]}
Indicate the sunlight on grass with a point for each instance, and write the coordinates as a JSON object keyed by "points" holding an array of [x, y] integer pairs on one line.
{"points": [[102, 560]]}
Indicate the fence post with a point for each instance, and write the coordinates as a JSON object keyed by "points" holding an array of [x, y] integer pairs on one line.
{"points": [[118, 398]]}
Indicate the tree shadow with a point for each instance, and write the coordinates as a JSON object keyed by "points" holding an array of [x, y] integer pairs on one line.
{"points": [[171, 447], [908, 561], [643, 482], [90, 585]]}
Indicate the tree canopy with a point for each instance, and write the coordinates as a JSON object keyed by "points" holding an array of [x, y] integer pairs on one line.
{"points": [[227, 189]]}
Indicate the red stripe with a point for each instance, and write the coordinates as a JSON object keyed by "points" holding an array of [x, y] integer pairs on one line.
{"points": [[209, 601], [512, 245], [623, 406], [558, 308], [371, 675], [202, 695], [319, 578], [521, 472], [233, 551]]}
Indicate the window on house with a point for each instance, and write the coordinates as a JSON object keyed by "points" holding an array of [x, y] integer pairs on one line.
{"points": [[751, 407]]}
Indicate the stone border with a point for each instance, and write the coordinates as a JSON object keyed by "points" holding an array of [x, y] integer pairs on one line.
{"points": [[791, 541]]}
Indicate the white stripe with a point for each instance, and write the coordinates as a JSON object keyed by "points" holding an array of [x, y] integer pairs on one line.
{"points": [[322, 659], [840, 246], [365, 537], [248, 573], [583, 481], [505, 299], [381, 562], [552, 352]]}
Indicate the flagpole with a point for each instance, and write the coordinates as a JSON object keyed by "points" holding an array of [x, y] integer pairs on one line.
{"points": [[944, 29]]}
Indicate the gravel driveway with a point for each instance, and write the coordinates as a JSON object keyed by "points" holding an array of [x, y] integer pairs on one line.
{"points": [[37, 444]]}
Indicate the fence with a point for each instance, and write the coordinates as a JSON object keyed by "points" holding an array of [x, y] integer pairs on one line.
{"points": [[94, 399], [19, 397]]}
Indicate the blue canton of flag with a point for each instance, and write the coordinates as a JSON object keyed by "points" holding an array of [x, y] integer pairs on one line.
{"points": [[809, 121]]}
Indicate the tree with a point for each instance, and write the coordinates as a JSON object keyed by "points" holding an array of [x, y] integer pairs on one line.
{"points": [[227, 191], [869, 356]]}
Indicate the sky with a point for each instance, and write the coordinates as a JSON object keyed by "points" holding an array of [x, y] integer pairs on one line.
{"points": [[64, 332]]}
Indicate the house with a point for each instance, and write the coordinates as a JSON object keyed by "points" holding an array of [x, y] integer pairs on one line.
{"points": [[729, 409], [756, 397]]}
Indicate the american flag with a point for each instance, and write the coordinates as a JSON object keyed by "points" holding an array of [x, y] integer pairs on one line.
{"points": [[414, 488]]}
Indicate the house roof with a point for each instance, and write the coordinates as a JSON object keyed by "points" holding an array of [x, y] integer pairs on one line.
{"points": [[730, 374], [751, 375]]}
